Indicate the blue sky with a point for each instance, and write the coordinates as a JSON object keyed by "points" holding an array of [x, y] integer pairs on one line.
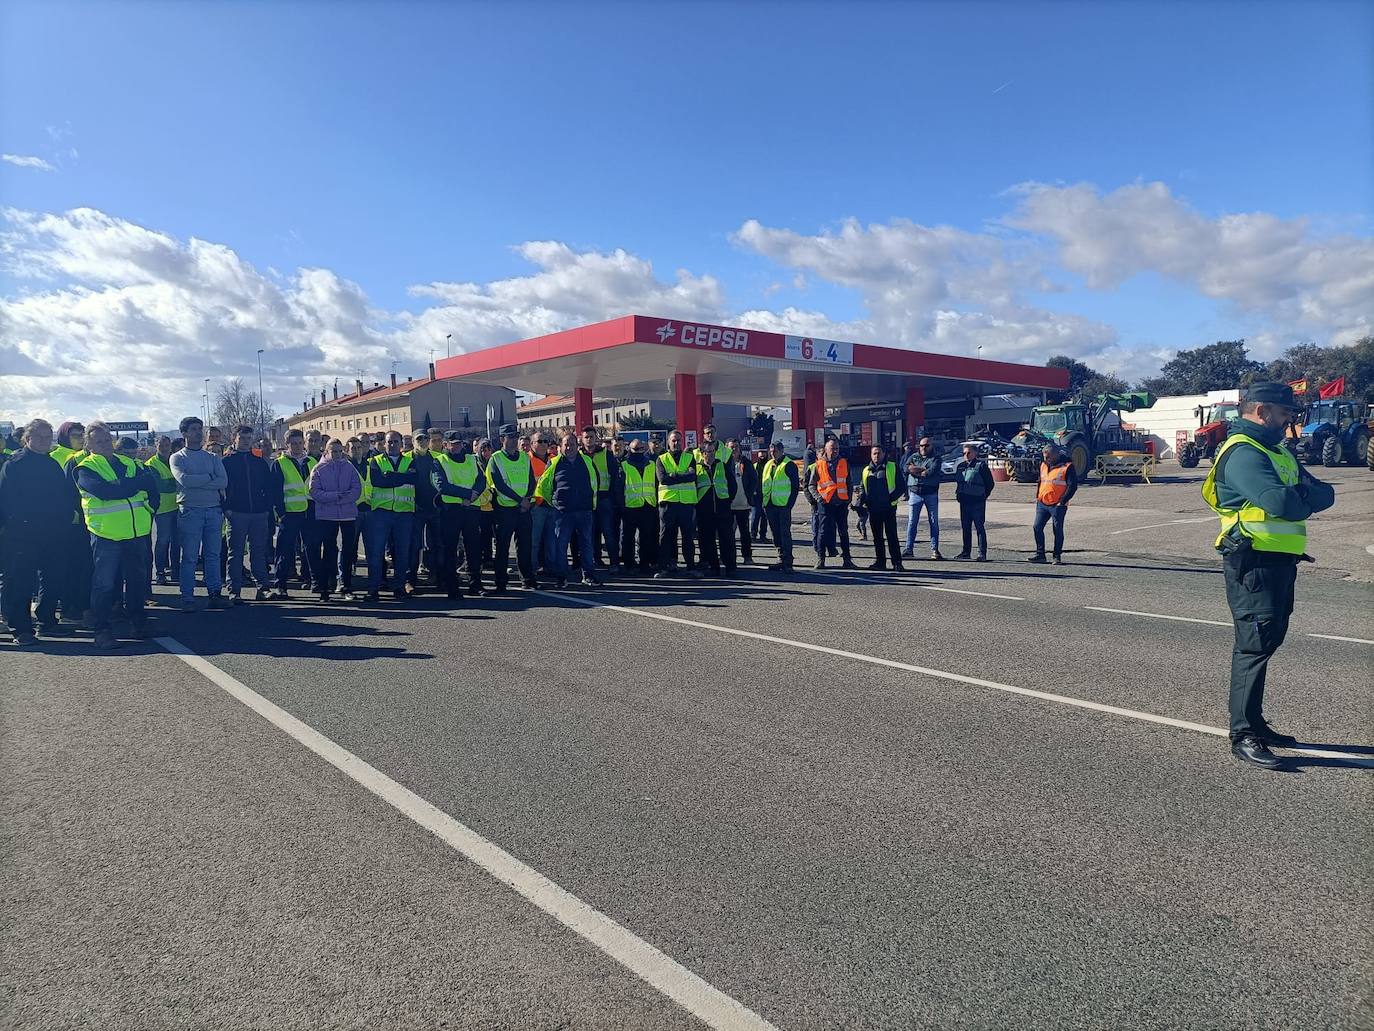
{"points": [[402, 144]]}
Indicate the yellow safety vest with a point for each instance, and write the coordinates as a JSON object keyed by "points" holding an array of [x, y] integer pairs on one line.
{"points": [[891, 469], [544, 488], [678, 493], [393, 499], [1265, 532], [295, 490], [124, 519], [715, 479], [460, 474], [515, 471], [60, 453], [777, 491], [602, 466], [166, 485], [640, 487]]}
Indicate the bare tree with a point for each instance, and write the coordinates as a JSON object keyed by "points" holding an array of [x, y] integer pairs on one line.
{"points": [[236, 405]]}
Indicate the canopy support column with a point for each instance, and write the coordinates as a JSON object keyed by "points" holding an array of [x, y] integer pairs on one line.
{"points": [[815, 407], [685, 398], [915, 411], [582, 408]]}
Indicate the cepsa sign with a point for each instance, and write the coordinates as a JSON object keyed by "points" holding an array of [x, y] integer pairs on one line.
{"points": [[714, 337]]}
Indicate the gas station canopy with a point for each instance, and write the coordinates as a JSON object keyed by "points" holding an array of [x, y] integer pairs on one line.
{"points": [[642, 357]]}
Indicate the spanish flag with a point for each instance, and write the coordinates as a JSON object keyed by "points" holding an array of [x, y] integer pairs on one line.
{"points": [[1299, 385]]}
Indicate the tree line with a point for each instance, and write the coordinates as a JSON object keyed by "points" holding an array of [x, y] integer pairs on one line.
{"points": [[1227, 364]]}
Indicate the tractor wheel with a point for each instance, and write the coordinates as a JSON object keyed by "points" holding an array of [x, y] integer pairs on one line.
{"points": [[1078, 455], [1369, 454], [1019, 472], [1331, 451], [1188, 457], [1359, 447]]}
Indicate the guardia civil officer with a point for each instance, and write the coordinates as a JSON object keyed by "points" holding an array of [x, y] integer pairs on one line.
{"points": [[1263, 497]]}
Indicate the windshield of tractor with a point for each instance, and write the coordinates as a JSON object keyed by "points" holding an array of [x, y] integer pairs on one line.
{"points": [[1224, 413], [1323, 411], [1048, 423]]}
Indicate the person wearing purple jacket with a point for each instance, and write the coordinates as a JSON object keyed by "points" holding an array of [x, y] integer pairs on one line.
{"points": [[335, 487]]}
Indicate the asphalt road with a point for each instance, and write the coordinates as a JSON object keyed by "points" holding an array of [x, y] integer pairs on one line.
{"points": [[829, 840]]}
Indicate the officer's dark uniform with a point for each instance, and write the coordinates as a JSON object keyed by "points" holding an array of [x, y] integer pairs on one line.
{"points": [[1260, 556]]}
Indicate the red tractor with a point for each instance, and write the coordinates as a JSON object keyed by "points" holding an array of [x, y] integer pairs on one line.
{"points": [[1213, 423]]}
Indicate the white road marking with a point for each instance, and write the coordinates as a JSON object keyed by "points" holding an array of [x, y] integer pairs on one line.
{"points": [[710, 1005], [1080, 703], [1158, 615], [1155, 526], [873, 577], [1333, 637]]}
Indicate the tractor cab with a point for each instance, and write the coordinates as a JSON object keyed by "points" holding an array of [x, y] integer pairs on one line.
{"points": [[1053, 421]]}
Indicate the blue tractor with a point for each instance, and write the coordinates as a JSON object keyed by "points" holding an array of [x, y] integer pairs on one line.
{"points": [[1333, 431]]}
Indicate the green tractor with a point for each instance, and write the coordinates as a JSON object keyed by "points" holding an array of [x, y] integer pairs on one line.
{"points": [[1076, 427]]}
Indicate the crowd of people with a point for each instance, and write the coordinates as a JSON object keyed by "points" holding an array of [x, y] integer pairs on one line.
{"points": [[88, 521]]}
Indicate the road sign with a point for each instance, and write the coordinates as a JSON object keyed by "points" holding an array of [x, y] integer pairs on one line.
{"points": [[126, 427]]}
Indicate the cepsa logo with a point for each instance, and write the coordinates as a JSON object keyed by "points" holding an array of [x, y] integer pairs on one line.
{"points": [[704, 336]]}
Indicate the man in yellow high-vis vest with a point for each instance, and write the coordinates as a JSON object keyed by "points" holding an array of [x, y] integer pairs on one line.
{"points": [[511, 477], [1263, 497], [715, 529], [118, 497], [639, 519], [460, 487], [391, 493], [676, 472]]}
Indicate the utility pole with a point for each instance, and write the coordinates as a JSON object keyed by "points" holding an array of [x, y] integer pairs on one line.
{"points": [[207, 404], [262, 419]]}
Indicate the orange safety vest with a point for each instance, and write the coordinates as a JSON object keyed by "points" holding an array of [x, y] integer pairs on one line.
{"points": [[538, 465], [828, 488], [1054, 483]]}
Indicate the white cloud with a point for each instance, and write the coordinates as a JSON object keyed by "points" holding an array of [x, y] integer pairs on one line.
{"points": [[27, 161], [119, 302], [1296, 281], [931, 287]]}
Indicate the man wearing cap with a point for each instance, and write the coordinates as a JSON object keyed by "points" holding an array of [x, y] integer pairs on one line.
{"points": [[512, 485], [780, 488], [424, 525], [639, 520], [1263, 498], [608, 488]]}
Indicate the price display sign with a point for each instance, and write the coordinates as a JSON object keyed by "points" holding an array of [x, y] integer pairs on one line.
{"points": [[814, 349]]}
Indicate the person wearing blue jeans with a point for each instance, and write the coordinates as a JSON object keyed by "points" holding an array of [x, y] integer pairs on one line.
{"points": [[201, 480], [568, 486], [1058, 484], [391, 485], [923, 492]]}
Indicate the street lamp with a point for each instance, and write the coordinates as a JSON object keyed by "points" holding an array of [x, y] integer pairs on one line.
{"points": [[448, 353], [262, 419], [207, 403]]}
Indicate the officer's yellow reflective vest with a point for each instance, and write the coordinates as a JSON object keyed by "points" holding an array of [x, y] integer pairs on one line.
{"points": [[515, 471], [1264, 531], [166, 485], [458, 474], [777, 491], [678, 493], [120, 520], [393, 499], [715, 478], [640, 487], [891, 469], [295, 490], [60, 453]]}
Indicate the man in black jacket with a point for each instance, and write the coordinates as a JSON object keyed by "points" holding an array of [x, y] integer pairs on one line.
{"points": [[425, 543], [38, 506], [742, 503], [972, 487], [879, 490], [248, 507]]}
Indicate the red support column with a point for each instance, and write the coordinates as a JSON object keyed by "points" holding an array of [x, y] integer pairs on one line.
{"points": [[582, 408], [704, 410], [915, 411], [685, 397], [815, 407], [798, 413]]}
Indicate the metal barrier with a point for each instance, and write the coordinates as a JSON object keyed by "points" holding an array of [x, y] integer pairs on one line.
{"points": [[1126, 463]]}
